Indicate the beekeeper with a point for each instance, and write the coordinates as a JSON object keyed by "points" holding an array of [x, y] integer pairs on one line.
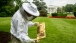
{"points": [[21, 20]]}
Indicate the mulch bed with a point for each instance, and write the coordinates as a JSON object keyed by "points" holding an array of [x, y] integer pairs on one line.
{"points": [[69, 17], [5, 37]]}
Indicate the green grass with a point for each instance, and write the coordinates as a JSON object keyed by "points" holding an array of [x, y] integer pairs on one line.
{"points": [[5, 24], [58, 30]]}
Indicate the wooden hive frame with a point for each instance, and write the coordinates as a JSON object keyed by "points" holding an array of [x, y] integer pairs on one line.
{"points": [[41, 31]]}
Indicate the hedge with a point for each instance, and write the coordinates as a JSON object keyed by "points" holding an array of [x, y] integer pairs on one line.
{"points": [[59, 15], [3, 14], [54, 14], [74, 14], [62, 15]]}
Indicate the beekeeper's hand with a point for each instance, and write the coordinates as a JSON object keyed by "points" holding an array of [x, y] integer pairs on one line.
{"points": [[33, 40], [36, 23]]}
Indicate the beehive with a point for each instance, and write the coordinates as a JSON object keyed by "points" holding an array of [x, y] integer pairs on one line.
{"points": [[41, 31]]}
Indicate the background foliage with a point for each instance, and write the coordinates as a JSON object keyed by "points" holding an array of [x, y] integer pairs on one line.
{"points": [[8, 8], [41, 7]]}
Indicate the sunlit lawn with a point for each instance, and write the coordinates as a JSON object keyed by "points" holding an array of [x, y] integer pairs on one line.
{"points": [[58, 30], [5, 24]]}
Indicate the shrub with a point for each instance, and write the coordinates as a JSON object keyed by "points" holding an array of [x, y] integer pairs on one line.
{"points": [[74, 13], [42, 13], [54, 14], [3, 14], [62, 15], [5, 11], [59, 15]]}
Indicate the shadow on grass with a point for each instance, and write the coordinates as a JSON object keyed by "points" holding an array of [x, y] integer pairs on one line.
{"points": [[5, 37]]}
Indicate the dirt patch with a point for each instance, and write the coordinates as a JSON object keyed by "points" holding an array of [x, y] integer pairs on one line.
{"points": [[69, 17], [5, 37]]}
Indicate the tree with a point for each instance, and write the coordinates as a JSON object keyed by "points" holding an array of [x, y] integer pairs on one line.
{"points": [[74, 11], [41, 7], [19, 3], [40, 4], [6, 3], [5, 7], [69, 7], [59, 10], [63, 9], [75, 7]]}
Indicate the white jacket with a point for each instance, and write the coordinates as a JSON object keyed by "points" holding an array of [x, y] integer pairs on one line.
{"points": [[19, 27]]}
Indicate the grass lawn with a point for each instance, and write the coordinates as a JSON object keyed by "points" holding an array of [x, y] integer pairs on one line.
{"points": [[58, 30], [5, 24]]}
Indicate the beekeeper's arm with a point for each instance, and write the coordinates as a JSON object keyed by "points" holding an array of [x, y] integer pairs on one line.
{"points": [[30, 23], [22, 32]]}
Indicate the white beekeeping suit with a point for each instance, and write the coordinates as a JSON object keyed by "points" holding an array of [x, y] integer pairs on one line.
{"points": [[21, 21]]}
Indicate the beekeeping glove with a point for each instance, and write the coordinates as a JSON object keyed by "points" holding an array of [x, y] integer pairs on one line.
{"points": [[36, 23], [33, 40]]}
